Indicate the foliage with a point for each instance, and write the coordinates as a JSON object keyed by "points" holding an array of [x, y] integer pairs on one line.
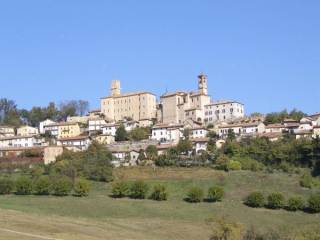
{"points": [[275, 200], [62, 186], [225, 230], [81, 188], [184, 146], [138, 190], [215, 194], [121, 134], [278, 117], [233, 165], [306, 181], [248, 163], [138, 134], [120, 189], [314, 203], [6, 186], [295, 203], [159, 193], [42, 186], [222, 162], [195, 195], [255, 200], [152, 152], [23, 186], [165, 160]]}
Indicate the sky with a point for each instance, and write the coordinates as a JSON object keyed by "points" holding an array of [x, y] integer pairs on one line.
{"points": [[263, 53]]}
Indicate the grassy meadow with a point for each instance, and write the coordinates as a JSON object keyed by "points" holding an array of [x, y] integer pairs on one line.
{"points": [[101, 217]]}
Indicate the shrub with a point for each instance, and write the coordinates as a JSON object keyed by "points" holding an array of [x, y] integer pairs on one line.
{"points": [[138, 190], [195, 195], [81, 188], [222, 162], [314, 203], [6, 186], [295, 204], [306, 181], [119, 189], [234, 165], [62, 187], [275, 201], [215, 194], [248, 163], [159, 193], [255, 200], [42, 186], [23, 186]]}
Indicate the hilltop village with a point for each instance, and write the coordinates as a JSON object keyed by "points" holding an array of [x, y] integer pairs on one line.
{"points": [[128, 123]]}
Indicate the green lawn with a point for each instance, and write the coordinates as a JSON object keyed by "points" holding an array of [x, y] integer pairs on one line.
{"points": [[172, 219]]}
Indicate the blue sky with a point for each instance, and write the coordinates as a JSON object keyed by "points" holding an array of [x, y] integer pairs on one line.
{"points": [[264, 53]]}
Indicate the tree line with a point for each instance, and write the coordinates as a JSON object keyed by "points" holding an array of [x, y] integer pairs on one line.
{"points": [[11, 115]]}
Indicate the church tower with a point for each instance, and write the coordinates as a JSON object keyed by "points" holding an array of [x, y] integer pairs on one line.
{"points": [[203, 84], [115, 88]]}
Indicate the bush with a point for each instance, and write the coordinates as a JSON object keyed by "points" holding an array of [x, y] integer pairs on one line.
{"points": [[306, 181], [275, 201], [23, 186], [119, 189], [62, 187], [255, 200], [234, 165], [215, 194], [314, 203], [222, 162], [195, 195], [248, 163], [295, 204], [81, 188], [139, 190], [42, 186], [159, 193], [6, 186]]}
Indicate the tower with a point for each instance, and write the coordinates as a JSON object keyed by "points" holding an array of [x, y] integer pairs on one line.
{"points": [[203, 84], [115, 88]]}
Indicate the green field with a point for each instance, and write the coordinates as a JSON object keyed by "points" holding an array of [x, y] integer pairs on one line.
{"points": [[101, 217]]}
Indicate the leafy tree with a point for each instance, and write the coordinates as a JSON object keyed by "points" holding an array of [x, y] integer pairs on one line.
{"points": [[152, 152], [138, 190], [142, 155], [62, 186], [139, 134], [314, 203], [6, 186], [222, 162], [194, 195], [23, 186], [255, 200], [42, 186], [121, 134], [295, 204], [120, 189], [233, 165], [215, 194], [81, 188], [159, 193], [231, 135], [275, 201], [184, 146]]}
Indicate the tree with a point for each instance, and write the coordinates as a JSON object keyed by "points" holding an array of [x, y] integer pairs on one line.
{"points": [[152, 152], [6, 186], [81, 188], [82, 107], [275, 201], [231, 135], [255, 200], [159, 193], [139, 190], [194, 195], [68, 109], [62, 186], [139, 134], [23, 186], [42, 186], [121, 134], [184, 146], [6, 106]]}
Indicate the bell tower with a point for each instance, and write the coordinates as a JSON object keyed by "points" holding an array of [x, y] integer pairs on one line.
{"points": [[203, 84], [115, 88]]}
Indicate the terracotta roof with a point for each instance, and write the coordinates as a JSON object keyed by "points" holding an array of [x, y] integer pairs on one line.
{"points": [[167, 126], [73, 138], [17, 137], [165, 146], [128, 95], [220, 102], [62, 124], [276, 125], [200, 139], [270, 135], [173, 94], [303, 132], [95, 110]]}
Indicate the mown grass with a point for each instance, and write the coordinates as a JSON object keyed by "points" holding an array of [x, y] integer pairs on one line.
{"points": [[99, 207]]}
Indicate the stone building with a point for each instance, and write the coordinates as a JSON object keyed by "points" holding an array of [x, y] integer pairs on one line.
{"points": [[137, 105]]}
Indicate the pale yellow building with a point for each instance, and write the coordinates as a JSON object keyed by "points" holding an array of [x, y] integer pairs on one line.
{"points": [[27, 130], [138, 105], [68, 129], [180, 106]]}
